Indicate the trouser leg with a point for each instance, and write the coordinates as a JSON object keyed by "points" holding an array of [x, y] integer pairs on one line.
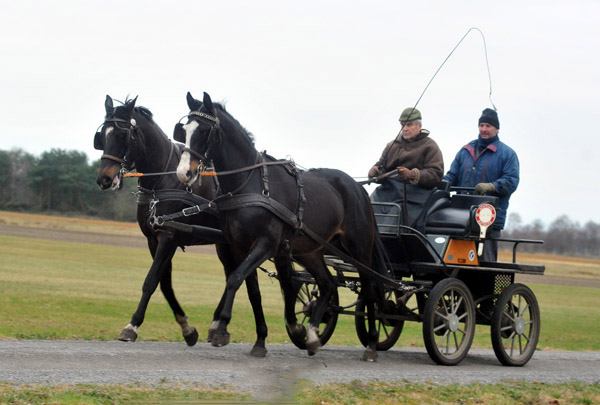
{"points": [[490, 247]]}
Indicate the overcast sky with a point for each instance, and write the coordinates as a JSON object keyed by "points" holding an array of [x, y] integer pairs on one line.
{"points": [[322, 82]]}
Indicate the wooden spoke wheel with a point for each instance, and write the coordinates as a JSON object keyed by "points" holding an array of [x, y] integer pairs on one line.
{"points": [[515, 325], [449, 322], [306, 299]]}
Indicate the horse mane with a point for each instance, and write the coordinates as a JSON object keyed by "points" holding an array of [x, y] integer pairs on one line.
{"points": [[243, 130], [145, 112]]}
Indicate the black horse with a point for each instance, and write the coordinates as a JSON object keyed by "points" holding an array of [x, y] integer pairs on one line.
{"points": [[270, 209], [130, 138]]}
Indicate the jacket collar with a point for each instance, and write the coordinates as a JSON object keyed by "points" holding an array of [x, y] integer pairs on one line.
{"points": [[492, 147]]}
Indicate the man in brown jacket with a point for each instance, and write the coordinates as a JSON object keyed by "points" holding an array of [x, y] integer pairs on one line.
{"points": [[420, 166], [417, 157]]}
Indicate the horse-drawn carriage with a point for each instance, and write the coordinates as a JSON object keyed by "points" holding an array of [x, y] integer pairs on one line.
{"points": [[322, 220], [450, 289]]}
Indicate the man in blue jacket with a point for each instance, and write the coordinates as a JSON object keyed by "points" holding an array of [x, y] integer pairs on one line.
{"points": [[492, 168]]}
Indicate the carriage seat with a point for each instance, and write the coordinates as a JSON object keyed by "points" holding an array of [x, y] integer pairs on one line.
{"points": [[457, 217]]}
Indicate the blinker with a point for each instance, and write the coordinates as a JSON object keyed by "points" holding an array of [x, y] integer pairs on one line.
{"points": [[179, 133], [99, 141]]}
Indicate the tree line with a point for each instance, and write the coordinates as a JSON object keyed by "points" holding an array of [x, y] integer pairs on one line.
{"points": [[562, 236], [63, 182], [60, 182]]}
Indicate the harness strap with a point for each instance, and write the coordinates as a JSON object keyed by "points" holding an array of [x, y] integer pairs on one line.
{"points": [[254, 166], [196, 203], [257, 200]]}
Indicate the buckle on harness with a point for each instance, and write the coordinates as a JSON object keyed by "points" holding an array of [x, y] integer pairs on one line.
{"points": [[190, 211]]}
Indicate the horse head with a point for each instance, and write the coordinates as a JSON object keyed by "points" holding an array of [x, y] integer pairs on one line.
{"points": [[114, 139], [201, 135]]}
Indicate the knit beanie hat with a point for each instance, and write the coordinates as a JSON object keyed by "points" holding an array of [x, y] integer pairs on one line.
{"points": [[490, 116]]}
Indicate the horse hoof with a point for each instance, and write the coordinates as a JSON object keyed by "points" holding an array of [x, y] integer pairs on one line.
{"points": [[128, 335], [258, 352], [211, 334], [313, 348], [192, 338], [298, 331], [370, 355], [220, 340]]}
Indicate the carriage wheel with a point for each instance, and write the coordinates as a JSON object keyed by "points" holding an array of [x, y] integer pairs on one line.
{"points": [[449, 322], [389, 329], [305, 301], [515, 325]]}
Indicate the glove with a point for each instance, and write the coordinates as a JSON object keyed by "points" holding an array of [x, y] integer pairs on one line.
{"points": [[484, 188], [374, 171], [408, 174], [403, 173]]}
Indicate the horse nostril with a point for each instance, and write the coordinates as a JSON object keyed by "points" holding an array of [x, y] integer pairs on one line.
{"points": [[104, 182], [189, 174]]}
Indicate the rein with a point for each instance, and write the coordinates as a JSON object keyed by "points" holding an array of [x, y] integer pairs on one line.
{"points": [[213, 173], [376, 179]]}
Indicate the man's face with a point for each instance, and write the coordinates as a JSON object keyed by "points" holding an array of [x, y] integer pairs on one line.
{"points": [[487, 131], [410, 129]]}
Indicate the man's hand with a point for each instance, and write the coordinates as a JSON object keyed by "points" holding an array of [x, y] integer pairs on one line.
{"points": [[374, 171], [484, 188]]}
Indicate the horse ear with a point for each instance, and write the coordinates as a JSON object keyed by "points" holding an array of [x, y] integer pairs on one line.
{"points": [[131, 105], [191, 102], [208, 102], [108, 105]]}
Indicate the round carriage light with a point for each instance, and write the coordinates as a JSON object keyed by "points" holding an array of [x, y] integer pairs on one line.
{"points": [[485, 216]]}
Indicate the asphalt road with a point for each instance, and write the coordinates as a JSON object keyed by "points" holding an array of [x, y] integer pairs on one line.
{"points": [[276, 376]]}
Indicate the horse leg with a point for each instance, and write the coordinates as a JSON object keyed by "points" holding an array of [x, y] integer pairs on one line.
{"points": [[255, 258], [315, 264], [216, 315], [189, 332], [289, 291], [226, 255], [162, 252], [259, 349], [370, 353]]}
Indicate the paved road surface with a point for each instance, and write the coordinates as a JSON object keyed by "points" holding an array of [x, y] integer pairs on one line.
{"points": [[276, 376]]}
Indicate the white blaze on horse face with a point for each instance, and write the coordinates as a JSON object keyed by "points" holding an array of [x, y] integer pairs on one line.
{"points": [[184, 164]]}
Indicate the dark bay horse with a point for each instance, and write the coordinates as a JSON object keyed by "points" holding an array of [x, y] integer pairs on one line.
{"points": [[267, 210], [130, 138]]}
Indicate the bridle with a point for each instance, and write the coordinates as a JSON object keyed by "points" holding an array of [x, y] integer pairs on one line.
{"points": [[214, 136], [131, 126]]}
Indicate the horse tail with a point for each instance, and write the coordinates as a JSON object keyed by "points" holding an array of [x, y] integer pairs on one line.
{"points": [[381, 264]]}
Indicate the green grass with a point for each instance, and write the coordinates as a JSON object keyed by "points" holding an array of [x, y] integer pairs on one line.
{"points": [[52, 289], [355, 392]]}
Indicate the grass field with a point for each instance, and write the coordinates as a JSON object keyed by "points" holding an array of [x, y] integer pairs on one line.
{"points": [[54, 289]]}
